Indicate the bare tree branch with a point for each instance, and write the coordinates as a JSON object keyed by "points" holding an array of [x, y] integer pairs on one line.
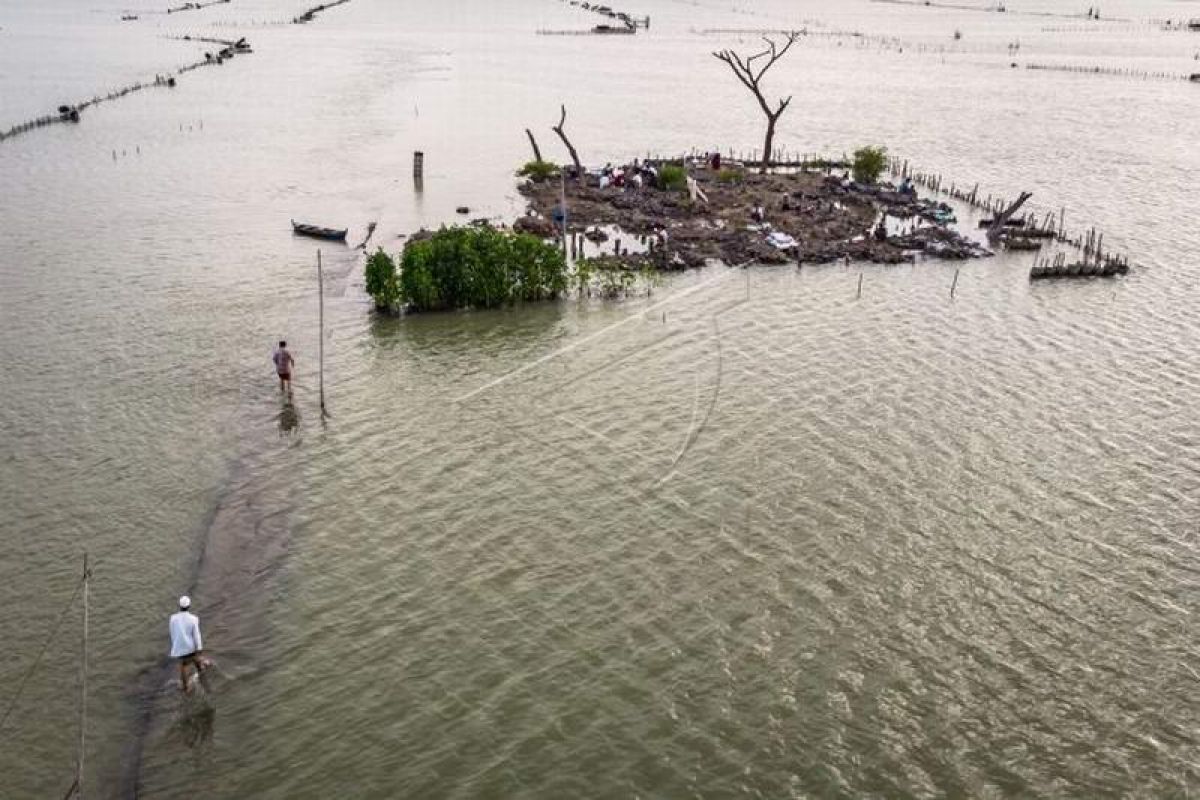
{"points": [[570, 147], [750, 76], [537, 153]]}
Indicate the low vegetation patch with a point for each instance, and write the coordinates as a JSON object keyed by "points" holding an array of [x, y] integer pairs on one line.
{"points": [[538, 171], [383, 284], [672, 178], [869, 164]]}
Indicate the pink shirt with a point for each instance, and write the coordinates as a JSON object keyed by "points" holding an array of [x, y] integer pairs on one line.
{"points": [[283, 361]]}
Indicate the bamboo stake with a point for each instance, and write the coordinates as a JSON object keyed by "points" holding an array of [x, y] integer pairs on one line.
{"points": [[321, 340], [83, 660]]}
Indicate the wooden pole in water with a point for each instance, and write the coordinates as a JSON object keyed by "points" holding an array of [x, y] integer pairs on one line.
{"points": [[859, 295], [83, 660], [321, 340], [563, 207]]}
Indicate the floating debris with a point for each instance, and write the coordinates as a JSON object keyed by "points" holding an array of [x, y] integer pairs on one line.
{"points": [[370, 232], [308, 16], [194, 6], [629, 21]]}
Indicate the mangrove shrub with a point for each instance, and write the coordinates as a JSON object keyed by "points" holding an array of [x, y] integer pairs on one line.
{"points": [[727, 175], [382, 282], [479, 268], [869, 164], [538, 171], [672, 178]]}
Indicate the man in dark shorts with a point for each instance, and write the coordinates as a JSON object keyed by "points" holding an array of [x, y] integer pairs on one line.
{"points": [[186, 646], [283, 366]]}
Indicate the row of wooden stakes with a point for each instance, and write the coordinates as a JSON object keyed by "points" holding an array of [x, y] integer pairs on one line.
{"points": [[71, 113], [1094, 260]]}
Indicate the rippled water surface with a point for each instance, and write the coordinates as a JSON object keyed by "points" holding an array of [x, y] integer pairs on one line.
{"points": [[750, 535]]}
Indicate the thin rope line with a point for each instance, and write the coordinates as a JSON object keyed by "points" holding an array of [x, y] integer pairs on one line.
{"points": [[38, 659]]}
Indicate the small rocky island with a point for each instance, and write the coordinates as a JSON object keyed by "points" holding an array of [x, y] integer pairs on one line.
{"points": [[684, 213]]}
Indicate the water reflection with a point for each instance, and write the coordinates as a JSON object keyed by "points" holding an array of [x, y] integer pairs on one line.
{"points": [[289, 417], [472, 334]]}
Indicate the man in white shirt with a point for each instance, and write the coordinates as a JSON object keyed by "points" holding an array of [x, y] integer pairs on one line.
{"points": [[186, 645]]}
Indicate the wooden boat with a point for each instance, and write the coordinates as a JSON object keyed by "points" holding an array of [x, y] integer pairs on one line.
{"points": [[614, 29], [317, 232]]}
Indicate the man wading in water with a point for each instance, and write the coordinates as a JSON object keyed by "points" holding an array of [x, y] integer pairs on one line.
{"points": [[186, 646], [283, 366]]}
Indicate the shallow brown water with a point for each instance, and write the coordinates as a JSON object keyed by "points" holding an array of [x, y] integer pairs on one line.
{"points": [[748, 536]]}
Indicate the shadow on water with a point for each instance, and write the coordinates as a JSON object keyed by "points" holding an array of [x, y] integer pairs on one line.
{"points": [[241, 546], [469, 330], [472, 340], [289, 417]]}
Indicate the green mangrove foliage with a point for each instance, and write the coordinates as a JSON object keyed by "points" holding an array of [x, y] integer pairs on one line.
{"points": [[672, 178], [609, 278], [538, 171], [383, 284], [730, 176], [479, 268], [869, 164]]}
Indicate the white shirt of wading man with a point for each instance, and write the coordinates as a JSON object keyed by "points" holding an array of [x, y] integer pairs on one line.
{"points": [[185, 634]]}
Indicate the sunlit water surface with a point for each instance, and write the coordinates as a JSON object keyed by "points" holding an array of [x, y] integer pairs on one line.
{"points": [[751, 535]]}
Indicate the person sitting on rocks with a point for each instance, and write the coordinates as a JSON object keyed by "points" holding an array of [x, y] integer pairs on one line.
{"points": [[758, 213]]}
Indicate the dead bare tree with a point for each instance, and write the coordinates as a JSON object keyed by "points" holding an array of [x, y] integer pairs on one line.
{"points": [[570, 147], [751, 74], [537, 153]]}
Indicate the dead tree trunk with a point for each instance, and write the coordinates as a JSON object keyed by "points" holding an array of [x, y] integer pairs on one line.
{"points": [[997, 226], [769, 141], [537, 154], [570, 147], [751, 76]]}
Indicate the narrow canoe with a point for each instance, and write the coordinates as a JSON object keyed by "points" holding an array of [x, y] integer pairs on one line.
{"points": [[317, 232]]}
